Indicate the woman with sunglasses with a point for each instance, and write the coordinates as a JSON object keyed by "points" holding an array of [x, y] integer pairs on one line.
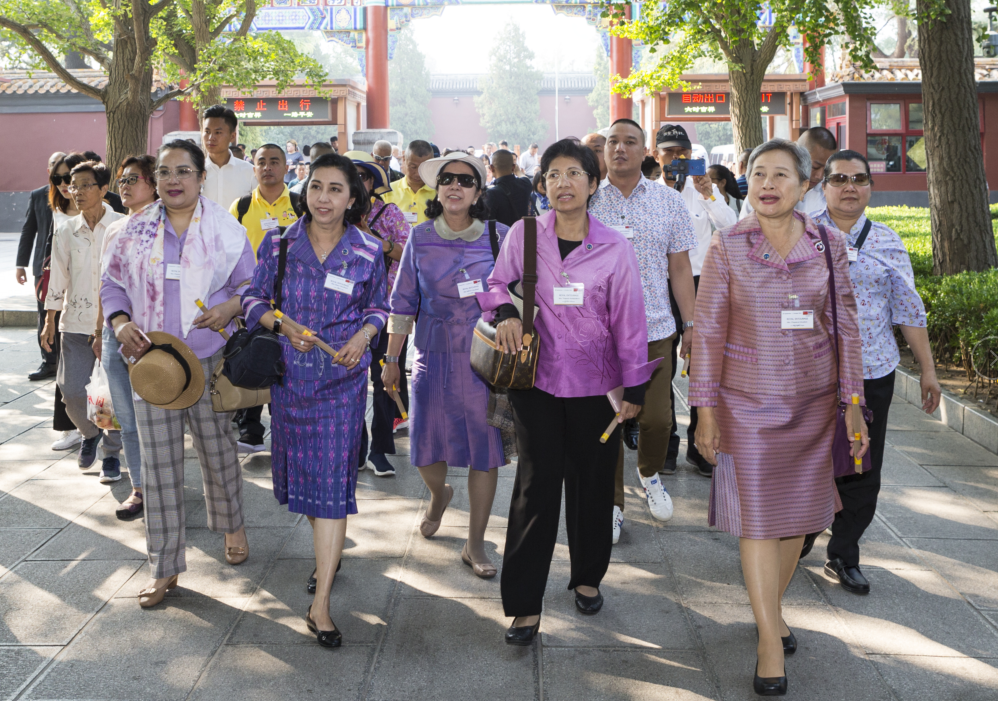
{"points": [[884, 285], [445, 262]]}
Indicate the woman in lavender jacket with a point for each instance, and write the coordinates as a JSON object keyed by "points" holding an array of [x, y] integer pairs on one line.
{"points": [[592, 341]]}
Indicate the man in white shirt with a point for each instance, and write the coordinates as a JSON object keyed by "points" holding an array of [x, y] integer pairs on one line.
{"points": [[530, 161], [227, 178], [74, 282], [709, 212]]}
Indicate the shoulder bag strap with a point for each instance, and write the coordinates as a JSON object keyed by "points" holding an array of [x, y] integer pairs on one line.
{"points": [[377, 216], [831, 293], [494, 239], [529, 273], [866, 232], [295, 202], [243, 207], [282, 259]]}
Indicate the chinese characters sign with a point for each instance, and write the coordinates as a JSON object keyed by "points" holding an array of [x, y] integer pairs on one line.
{"points": [[281, 109], [710, 104]]}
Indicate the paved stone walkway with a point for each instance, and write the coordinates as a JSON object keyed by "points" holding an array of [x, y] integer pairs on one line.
{"points": [[418, 625]]}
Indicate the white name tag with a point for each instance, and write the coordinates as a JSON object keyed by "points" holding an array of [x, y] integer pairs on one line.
{"points": [[627, 231], [469, 287], [797, 319], [173, 271], [571, 295], [268, 224], [410, 217], [339, 284], [853, 254]]}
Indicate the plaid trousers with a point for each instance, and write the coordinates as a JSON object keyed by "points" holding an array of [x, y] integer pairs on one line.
{"points": [[161, 434]]}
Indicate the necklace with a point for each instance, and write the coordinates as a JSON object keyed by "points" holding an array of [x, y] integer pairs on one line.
{"points": [[323, 254]]}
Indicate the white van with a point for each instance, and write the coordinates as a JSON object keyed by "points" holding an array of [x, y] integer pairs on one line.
{"points": [[724, 155]]}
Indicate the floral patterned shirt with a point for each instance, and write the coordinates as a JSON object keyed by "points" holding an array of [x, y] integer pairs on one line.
{"points": [[659, 225], [884, 284], [390, 226]]}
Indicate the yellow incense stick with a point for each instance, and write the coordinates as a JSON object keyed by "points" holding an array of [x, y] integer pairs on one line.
{"points": [[857, 440], [398, 400], [686, 362], [204, 310]]}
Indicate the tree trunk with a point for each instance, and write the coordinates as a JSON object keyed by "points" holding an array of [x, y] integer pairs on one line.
{"points": [[901, 48], [746, 119], [962, 237], [128, 106]]}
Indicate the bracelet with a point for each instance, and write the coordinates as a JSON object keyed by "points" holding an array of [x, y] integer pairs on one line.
{"points": [[687, 325], [367, 335], [392, 359], [392, 248]]}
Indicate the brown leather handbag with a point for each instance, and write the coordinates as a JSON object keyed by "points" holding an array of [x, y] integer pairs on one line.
{"points": [[226, 397], [511, 370]]}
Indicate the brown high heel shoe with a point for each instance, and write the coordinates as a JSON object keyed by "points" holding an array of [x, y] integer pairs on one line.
{"points": [[236, 554], [152, 596], [428, 527], [485, 571]]}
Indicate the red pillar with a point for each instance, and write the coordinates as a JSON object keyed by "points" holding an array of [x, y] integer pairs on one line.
{"points": [[376, 57], [818, 69], [620, 64]]}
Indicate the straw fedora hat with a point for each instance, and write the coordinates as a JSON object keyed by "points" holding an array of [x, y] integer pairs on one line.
{"points": [[168, 375], [429, 169]]}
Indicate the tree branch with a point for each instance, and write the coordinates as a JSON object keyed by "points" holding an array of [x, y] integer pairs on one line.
{"points": [[217, 31], [247, 18], [51, 61], [167, 96]]}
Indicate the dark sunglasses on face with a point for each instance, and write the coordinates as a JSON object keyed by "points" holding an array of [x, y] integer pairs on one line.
{"points": [[56, 179], [364, 176], [840, 179], [464, 180]]}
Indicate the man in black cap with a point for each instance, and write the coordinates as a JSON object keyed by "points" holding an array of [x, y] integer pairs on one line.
{"points": [[709, 212]]}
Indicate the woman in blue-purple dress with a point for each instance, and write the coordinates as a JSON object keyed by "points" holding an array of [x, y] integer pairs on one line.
{"points": [[445, 262], [334, 285]]}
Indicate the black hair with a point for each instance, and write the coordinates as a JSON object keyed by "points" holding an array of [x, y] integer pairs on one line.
{"points": [[538, 183], [479, 210], [847, 155], [93, 156], [361, 202], [221, 112], [333, 138], [322, 146], [56, 201], [196, 154], [306, 149], [648, 165], [822, 137], [730, 182], [420, 148], [634, 124], [570, 148], [145, 163], [100, 172], [273, 146]]}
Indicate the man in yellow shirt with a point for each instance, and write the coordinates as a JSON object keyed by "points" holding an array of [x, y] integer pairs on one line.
{"points": [[410, 193], [270, 205]]}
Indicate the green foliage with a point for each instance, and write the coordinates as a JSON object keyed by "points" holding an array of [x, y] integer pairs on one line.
{"points": [[599, 98], [409, 90], [254, 137], [711, 134], [509, 106]]}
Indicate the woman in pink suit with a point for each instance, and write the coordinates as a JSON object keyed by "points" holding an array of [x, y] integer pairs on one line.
{"points": [[765, 379]]}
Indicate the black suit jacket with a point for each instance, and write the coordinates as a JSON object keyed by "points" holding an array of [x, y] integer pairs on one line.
{"points": [[35, 232], [394, 175], [508, 199]]}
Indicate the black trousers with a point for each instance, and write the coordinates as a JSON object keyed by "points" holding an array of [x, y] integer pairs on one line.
{"points": [[385, 411], [859, 492], [48, 357], [673, 451], [249, 421], [557, 440]]}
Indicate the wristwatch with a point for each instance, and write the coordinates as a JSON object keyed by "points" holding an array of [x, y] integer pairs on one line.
{"points": [[687, 325], [277, 326], [391, 359]]}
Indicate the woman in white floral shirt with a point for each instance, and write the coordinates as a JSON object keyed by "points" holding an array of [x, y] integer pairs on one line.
{"points": [[884, 285]]}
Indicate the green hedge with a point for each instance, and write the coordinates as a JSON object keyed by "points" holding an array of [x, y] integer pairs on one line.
{"points": [[962, 309]]}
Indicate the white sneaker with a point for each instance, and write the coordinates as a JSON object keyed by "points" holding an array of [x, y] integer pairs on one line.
{"points": [[618, 522], [69, 440], [659, 501]]}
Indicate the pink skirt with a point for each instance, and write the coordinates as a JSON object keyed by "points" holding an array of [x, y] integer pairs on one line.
{"points": [[774, 472]]}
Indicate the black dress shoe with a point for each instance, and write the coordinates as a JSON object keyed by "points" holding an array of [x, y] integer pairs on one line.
{"points": [[631, 434], [588, 605], [669, 468], [523, 635], [698, 461], [851, 579], [326, 638], [808, 544], [769, 686], [44, 372], [313, 582]]}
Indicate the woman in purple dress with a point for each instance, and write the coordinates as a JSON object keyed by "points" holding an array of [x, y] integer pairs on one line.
{"points": [[445, 262], [334, 286]]}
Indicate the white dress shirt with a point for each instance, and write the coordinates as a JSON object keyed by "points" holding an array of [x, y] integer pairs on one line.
{"points": [[707, 216], [529, 162], [812, 204], [74, 280], [225, 185]]}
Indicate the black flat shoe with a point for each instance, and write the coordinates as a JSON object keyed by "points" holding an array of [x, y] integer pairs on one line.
{"points": [[769, 686], [522, 636], [851, 579], [326, 638], [789, 642], [808, 544], [313, 582], [588, 605]]}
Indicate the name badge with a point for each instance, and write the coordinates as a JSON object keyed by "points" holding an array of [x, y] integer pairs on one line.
{"points": [[339, 284], [469, 287], [173, 271], [268, 224], [410, 217], [627, 231], [570, 296], [797, 319], [853, 254]]}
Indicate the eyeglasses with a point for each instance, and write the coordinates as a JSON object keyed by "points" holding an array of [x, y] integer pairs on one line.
{"points": [[131, 180], [573, 174], [181, 173], [840, 179], [464, 180], [83, 187], [56, 179]]}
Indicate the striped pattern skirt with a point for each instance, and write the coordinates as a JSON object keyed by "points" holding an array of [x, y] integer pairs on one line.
{"points": [[774, 472]]}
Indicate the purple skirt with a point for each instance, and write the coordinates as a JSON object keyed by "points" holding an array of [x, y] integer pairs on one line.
{"points": [[448, 405]]}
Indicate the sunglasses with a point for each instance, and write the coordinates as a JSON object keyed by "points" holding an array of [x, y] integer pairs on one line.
{"points": [[383, 159], [364, 175], [840, 179], [464, 180], [56, 179]]}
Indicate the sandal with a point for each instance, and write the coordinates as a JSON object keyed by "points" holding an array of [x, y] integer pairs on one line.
{"points": [[130, 508], [485, 571]]}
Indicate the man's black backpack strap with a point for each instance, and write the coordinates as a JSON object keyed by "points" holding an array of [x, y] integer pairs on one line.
{"points": [[243, 206], [494, 239]]}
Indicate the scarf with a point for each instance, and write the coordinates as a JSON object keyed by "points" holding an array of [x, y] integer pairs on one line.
{"points": [[470, 234], [214, 244]]}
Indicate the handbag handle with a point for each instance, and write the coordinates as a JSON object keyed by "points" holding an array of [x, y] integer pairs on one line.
{"points": [[529, 276], [831, 293]]}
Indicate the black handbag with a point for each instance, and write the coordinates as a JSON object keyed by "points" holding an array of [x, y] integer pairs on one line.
{"points": [[253, 360]]}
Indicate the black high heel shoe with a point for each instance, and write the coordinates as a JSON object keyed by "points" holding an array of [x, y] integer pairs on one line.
{"points": [[522, 635], [313, 582], [789, 642], [325, 638], [769, 686]]}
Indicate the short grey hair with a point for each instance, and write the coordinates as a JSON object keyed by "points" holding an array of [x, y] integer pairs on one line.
{"points": [[381, 143], [802, 159]]}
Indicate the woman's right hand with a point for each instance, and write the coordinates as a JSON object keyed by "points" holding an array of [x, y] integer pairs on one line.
{"points": [[133, 342], [299, 341], [708, 435], [390, 375], [509, 335]]}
